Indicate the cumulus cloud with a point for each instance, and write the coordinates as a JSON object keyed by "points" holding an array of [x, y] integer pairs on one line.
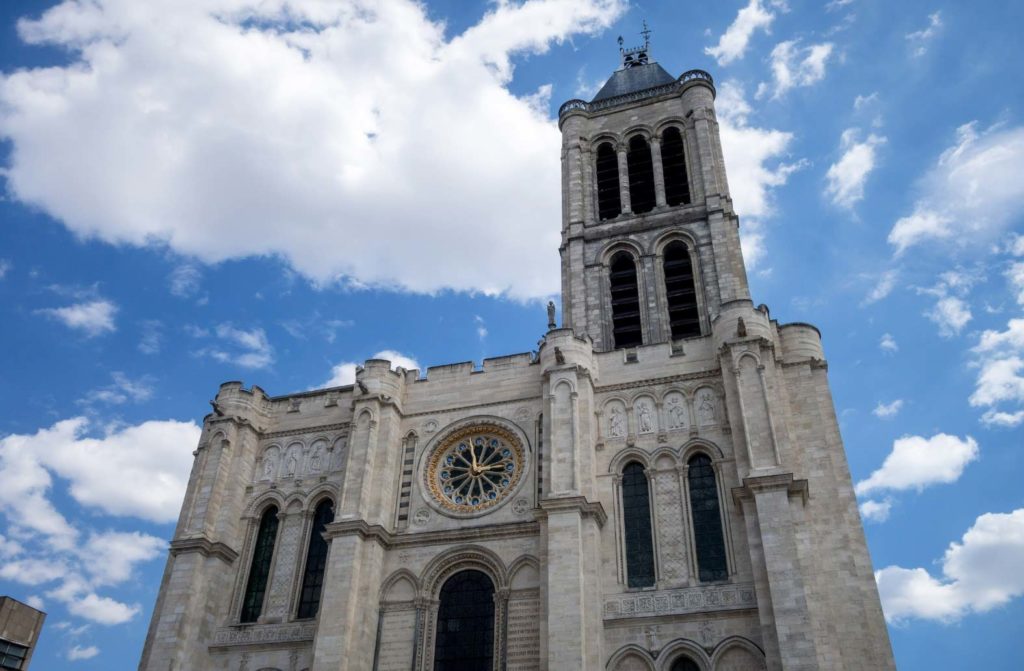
{"points": [[883, 287], [920, 40], [876, 511], [847, 176], [1001, 419], [888, 343], [979, 573], [999, 358], [754, 157], [5, 267], [122, 390], [236, 128], [917, 462], [345, 373], [971, 194], [1015, 276], [92, 318], [888, 410], [184, 280], [951, 314], [734, 41], [102, 609], [248, 349], [794, 65]]}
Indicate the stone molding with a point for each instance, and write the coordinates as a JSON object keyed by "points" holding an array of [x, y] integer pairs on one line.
{"points": [[323, 428], [579, 504], [700, 375], [464, 408], [390, 541], [205, 547], [701, 599], [258, 634], [756, 484]]}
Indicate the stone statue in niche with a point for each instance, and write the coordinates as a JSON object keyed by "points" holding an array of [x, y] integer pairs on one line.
{"points": [[675, 411], [269, 466], [616, 422], [314, 460], [551, 315], [645, 417], [291, 465], [706, 407]]}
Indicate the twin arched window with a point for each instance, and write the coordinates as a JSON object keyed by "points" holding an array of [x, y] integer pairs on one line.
{"points": [[706, 519], [640, 171], [626, 327], [263, 557]]}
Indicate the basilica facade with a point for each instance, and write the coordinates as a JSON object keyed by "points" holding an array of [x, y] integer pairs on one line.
{"points": [[661, 486]]}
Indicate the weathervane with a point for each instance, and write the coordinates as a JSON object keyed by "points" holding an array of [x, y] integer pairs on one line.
{"points": [[636, 55]]}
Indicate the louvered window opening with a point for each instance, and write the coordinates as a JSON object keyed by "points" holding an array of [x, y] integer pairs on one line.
{"points": [[609, 203], [540, 456], [636, 516], [626, 327], [465, 624], [707, 520], [641, 175], [259, 571], [673, 164], [316, 562], [407, 468], [681, 292]]}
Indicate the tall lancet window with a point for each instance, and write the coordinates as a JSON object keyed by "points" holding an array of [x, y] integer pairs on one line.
{"points": [[316, 561], [465, 624], [626, 328], [681, 292], [673, 163], [259, 570], [636, 520], [707, 520], [641, 175], [609, 204], [684, 664]]}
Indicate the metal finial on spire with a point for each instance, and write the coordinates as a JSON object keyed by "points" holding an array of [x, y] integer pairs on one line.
{"points": [[636, 55], [646, 32]]}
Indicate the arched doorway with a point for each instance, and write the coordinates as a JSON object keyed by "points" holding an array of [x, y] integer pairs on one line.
{"points": [[684, 664], [465, 624]]}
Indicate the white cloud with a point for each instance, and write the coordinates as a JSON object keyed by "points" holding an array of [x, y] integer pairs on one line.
{"points": [[883, 287], [888, 410], [979, 573], [102, 609], [972, 193], [888, 343], [876, 511], [184, 280], [345, 373], [110, 557], [231, 128], [794, 65], [78, 652], [5, 267], [734, 41], [121, 391], [152, 337], [36, 602], [754, 159], [951, 314], [481, 326], [152, 461], [94, 318], [847, 176], [860, 102], [920, 39], [248, 349], [1015, 276], [1002, 419], [917, 462]]}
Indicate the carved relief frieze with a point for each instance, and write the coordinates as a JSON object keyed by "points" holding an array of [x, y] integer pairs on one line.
{"points": [[264, 633], [681, 601]]}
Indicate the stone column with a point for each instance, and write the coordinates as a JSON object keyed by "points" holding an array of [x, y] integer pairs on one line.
{"points": [[672, 546], [287, 556], [627, 207], [659, 172]]}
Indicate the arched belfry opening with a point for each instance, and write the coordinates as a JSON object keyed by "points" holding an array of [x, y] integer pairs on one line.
{"points": [[641, 175], [609, 203], [626, 326], [673, 163], [680, 291], [465, 623]]}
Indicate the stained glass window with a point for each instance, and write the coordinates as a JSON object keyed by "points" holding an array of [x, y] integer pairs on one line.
{"points": [[609, 204], [673, 163], [465, 624], [636, 514], [626, 327], [707, 520], [259, 572], [684, 664], [316, 561], [680, 292], [641, 175]]}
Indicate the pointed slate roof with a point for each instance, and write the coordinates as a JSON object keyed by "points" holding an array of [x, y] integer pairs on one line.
{"points": [[633, 79]]}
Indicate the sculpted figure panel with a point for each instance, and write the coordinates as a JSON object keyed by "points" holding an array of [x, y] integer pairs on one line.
{"points": [[676, 413], [616, 413], [645, 416], [707, 407]]}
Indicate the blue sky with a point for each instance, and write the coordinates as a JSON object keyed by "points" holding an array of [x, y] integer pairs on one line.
{"points": [[273, 195]]}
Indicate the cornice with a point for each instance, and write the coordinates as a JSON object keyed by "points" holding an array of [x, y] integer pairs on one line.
{"points": [[701, 375], [579, 504], [205, 547]]}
